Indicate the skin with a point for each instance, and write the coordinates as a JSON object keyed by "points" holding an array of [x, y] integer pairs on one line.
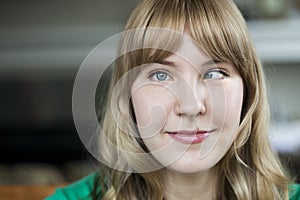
{"points": [[188, 92]]}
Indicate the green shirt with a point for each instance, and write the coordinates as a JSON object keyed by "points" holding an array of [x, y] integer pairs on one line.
{"points": [[81, 190], [294, 192]]}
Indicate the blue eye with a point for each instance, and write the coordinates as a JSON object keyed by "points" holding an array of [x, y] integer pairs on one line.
{"points": [[160, 76], [215, 74]]}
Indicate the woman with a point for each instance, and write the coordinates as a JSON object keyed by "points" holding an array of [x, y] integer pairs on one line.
{"points": [[187, 114]]}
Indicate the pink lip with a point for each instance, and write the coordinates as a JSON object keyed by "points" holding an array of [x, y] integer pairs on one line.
{"points": [[189, 137]]}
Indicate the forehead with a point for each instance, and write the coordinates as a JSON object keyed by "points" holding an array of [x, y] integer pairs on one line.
{"points": [[192, 52], [188, 51]]}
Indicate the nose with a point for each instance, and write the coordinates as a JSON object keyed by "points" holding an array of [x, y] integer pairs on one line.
{"points": [[191, 101]]}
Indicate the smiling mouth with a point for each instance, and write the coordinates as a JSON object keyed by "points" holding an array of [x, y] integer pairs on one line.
{"points": [[189, 137]]}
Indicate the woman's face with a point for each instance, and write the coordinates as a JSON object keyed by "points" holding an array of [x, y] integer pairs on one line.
{"points": [[188, 108]]}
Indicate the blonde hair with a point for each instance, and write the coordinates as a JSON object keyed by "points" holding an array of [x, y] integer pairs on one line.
{"points": [[249, 170]]}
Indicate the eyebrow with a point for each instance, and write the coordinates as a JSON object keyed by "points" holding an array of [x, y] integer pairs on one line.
{"points": [[210, 62], [168, 63], [172, 64]]}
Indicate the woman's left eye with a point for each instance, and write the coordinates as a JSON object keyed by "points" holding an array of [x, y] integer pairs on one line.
{"points": [[215, 74], [160, 76]]}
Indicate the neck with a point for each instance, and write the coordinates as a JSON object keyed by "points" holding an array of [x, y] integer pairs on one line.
{"points": [[189, 186]]}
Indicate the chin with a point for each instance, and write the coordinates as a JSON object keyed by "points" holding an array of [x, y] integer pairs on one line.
{"points": [[191, 167]]}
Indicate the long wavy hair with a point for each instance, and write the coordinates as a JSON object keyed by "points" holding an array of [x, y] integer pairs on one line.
{"points": [[249, 170]]}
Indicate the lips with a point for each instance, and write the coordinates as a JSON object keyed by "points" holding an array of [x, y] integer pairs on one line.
{"points": [[189, 137]]}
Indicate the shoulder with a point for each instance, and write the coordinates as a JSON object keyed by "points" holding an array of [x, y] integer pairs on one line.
{"points": [[78, 190], [294, 192]]}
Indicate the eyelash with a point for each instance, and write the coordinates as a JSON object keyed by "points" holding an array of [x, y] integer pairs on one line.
{"points": [[223, 73], [152, 74]]}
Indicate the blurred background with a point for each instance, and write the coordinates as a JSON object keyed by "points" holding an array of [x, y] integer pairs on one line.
{"points": [[42, 44]]}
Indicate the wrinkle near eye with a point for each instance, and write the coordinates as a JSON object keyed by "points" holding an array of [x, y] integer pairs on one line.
{"points": [[215, 74]]}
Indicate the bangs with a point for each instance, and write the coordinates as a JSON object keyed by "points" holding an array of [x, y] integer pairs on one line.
{"points": [[162, 14], [156, 33], [220, 30], [216, 26]]}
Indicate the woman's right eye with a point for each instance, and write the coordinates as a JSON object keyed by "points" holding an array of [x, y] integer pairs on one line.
{"points": [[160, 76]]}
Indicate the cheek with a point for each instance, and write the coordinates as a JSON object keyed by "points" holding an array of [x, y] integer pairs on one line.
{"points": [[225, 104], [141, 108], [151, 107], [233, 105], [235, 101]]}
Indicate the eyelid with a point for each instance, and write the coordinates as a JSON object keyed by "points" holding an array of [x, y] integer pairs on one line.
{"points": [[153, 72], [224, 73], [159, 70]]}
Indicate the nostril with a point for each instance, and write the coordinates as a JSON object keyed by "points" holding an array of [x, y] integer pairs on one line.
{"points": [[190, 108]]}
